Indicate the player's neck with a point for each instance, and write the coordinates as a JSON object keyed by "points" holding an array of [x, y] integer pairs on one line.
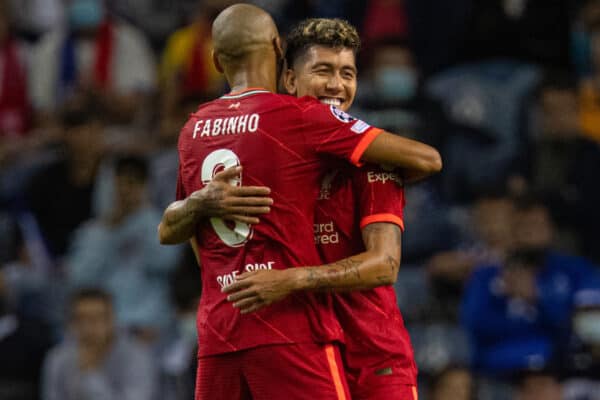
{"points": [[253, 72]]}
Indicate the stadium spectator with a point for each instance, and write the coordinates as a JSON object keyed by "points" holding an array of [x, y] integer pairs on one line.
{"points": [[23, 344], [518, 314], [97, 361], [186, 65], [490, 239], [487, 104], [563, 167], [60, 195], [93, 53], [116, 253]]}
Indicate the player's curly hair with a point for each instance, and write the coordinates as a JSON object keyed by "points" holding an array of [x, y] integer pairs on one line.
{"points": [[328, 32]]}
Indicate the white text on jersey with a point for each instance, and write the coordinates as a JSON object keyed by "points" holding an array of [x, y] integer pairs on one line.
{"points": [[226, 126]]}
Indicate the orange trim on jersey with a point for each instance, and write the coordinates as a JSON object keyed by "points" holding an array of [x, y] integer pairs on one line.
{"points": [[415, 394], [335, 372], [394, 219], [244, 91], [363, 144]]}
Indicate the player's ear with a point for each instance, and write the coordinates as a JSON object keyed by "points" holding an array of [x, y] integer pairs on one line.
{"points": [[289, 81], [215, 58]]}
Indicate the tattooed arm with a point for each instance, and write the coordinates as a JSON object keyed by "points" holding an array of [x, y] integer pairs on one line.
{"points": [[377, 266]]}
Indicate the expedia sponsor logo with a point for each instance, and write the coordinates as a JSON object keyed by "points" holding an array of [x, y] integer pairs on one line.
{"points": [[384, 177], [326, 233]]}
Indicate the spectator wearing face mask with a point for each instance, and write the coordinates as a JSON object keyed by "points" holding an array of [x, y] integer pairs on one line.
{"points": [[94, 53], [582, 359]]}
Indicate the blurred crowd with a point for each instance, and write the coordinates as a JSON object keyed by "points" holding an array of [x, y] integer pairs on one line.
{"points": [[500, 278]]}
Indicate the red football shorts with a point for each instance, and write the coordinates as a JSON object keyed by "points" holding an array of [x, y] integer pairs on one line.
{"points": [[381, 382], [289, 372]]}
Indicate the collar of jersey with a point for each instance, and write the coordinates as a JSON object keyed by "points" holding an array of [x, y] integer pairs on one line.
{"points": [[243, 93]]}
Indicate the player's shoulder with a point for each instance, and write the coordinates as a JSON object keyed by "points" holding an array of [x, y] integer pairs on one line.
{"points": [[300, 103]]}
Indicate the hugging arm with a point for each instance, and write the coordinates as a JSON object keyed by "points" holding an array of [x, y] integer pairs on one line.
{"points": [[378, 265]]}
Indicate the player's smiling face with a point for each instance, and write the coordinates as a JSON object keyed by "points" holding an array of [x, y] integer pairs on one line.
{"points": [[326, 73]]}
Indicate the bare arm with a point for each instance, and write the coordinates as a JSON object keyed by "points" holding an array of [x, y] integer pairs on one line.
{"points": [[417, 159], [216, 199], [378, 265]]}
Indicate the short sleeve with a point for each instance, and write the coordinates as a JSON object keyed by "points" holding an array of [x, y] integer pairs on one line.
{"points": [[379, 195], [332, 131]]}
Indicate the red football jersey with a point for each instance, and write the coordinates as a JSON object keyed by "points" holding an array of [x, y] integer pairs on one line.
{"points": [[286, 144], [373, 327]]}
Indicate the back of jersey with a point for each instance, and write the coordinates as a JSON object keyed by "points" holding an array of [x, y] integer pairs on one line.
{"points": [[281, 142]]}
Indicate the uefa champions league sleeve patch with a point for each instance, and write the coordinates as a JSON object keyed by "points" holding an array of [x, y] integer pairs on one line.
{"points": [[341, 115]]}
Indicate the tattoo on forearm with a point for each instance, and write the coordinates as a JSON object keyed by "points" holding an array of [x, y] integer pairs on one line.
{"points": [[330, 275]]}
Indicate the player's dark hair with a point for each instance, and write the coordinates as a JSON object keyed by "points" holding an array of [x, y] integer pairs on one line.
{"points": [[133, 165], [328, 32]]}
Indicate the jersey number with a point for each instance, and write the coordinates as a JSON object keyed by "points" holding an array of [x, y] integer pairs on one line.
{"points": [[213, 163]]}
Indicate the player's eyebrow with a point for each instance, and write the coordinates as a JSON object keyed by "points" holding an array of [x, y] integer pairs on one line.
{"points": [[325, 64]]}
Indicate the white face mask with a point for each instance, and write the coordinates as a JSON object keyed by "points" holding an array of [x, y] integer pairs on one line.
{"points": [[587, 326]]}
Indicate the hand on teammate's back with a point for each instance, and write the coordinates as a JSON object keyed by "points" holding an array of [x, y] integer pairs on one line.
{"points": [[234, 203]]}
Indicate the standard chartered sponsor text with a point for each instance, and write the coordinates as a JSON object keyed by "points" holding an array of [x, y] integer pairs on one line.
{"points": [[326, 233]]}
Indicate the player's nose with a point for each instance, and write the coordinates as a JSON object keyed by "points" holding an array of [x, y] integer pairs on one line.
{"points": [[334, 83]]}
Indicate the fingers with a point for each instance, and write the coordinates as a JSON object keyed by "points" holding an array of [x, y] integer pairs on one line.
{"points": [[227, 174], [236, 286], [245, 302], [242, 294], [251, 191]]}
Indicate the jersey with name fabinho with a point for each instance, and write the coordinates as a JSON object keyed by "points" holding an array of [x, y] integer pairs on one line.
{"points": [[286, 144], [374, 331]]}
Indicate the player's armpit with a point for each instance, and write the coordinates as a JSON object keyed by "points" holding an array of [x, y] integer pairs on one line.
{"points": [[417, 159]]}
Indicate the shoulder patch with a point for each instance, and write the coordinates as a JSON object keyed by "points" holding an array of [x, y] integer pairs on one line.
{"points": [[360, 126], [341, 115]]}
